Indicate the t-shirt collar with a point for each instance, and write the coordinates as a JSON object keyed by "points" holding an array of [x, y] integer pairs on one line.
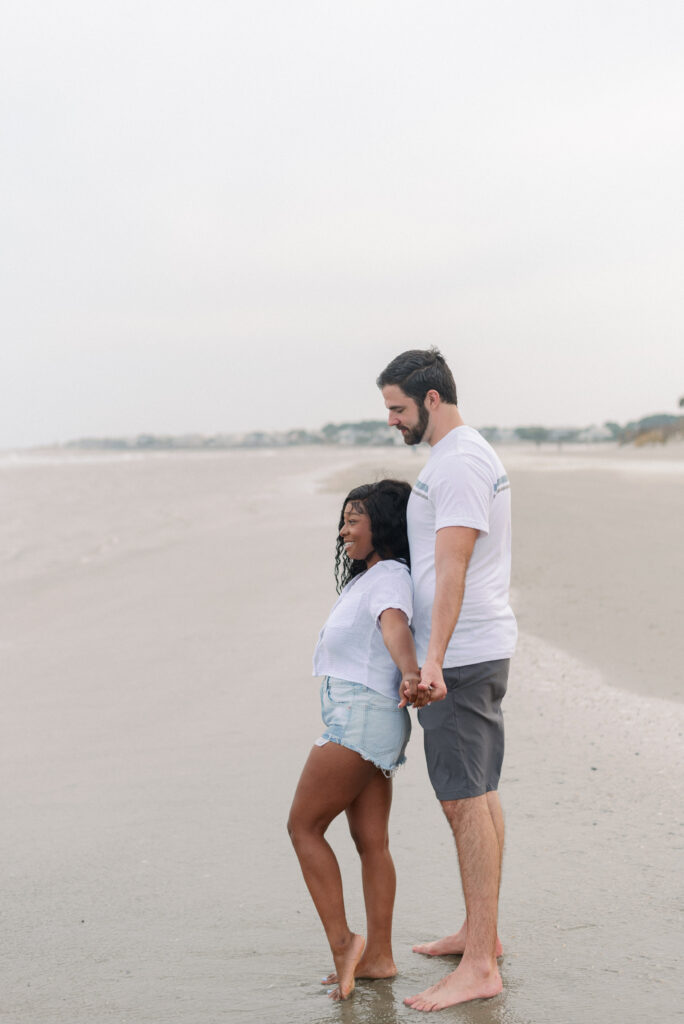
{"points": [[443, 442]]}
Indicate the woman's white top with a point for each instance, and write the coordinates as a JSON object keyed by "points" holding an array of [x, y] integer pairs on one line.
{"points": [[350, 645]]}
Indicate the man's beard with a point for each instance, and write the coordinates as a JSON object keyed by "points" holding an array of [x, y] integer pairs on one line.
{"points": [[414, 435]]}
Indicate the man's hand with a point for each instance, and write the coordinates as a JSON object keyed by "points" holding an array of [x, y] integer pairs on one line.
{"points": [[431, 686]]}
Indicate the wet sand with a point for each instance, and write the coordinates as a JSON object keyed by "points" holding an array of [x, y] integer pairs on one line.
{"points": [[158, 616]]}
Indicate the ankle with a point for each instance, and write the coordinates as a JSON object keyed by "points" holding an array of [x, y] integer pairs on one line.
{"points": [[340, 943], [483, 966], [378, 954]]}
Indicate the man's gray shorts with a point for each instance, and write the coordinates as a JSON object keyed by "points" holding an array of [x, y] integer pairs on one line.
{"points": [[464, 733]]}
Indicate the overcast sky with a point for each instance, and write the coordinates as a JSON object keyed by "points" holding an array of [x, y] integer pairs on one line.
{"points": [[220, 216]]}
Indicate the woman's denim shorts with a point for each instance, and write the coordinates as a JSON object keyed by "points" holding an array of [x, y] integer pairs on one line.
{"points": [[365, 721]]}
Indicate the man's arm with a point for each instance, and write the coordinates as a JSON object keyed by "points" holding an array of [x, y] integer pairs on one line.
{"points": [[453, 548]]}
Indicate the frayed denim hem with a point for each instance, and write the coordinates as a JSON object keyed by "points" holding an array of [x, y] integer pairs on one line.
{"points": [[389, 773]]}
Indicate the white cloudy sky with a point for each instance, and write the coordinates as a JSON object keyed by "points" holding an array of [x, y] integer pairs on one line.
{"points": [[223, 216]]}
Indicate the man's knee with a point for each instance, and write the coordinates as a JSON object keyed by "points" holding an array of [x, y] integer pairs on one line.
{"points": [[465, 809]]}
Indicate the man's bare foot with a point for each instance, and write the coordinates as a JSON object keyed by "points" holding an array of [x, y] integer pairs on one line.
{"points": [[462, 985], [450, 945], [346, 962], [367, 967]]}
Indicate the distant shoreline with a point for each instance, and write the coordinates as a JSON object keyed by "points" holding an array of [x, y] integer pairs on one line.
{"points": [[650, 431], [537, 455]]}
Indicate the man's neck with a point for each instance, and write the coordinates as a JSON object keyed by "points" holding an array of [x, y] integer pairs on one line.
{"points": [[443, 422]]}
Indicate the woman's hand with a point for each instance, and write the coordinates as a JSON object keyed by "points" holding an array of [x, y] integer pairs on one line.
{"points": [[408, 689]]}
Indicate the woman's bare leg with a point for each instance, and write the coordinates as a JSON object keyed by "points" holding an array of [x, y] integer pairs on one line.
{"points": [[368, 819], [331, 780]]}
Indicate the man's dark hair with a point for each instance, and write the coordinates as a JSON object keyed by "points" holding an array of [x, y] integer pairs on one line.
{"points": [[418, 371]]}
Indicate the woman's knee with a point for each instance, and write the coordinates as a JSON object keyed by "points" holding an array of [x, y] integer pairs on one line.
{"points": [[295, 824], [300, 828], [370, 842], [295, 827]]}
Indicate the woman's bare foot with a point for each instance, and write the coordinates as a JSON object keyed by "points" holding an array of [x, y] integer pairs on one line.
{"points": [[346, 962], [462, 985], [450, 945], [367, 967]]}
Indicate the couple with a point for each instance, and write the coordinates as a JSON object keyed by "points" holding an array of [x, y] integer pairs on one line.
{"points": [[453, 530]]}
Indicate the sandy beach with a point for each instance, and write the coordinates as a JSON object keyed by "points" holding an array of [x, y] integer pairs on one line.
{"points": [[158, 618]]}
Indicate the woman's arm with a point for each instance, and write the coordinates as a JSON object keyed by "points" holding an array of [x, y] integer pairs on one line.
{"points": [[399, 642]]}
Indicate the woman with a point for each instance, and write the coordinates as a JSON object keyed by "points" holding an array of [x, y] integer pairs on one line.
{"points": [[365, 650]]}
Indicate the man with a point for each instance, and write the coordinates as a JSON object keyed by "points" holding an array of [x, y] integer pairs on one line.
{"points": [[460, 542]]}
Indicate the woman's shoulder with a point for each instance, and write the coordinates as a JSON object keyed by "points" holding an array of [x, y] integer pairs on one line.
{"points": [[389, 567], [391, 587], [389, 571]]}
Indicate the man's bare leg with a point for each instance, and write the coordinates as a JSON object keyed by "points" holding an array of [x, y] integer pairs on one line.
{"points": [[455, 944], [479, 854], [368, 819]]}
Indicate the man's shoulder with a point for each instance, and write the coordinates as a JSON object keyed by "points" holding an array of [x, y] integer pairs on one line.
{"points": [[471, 449]]}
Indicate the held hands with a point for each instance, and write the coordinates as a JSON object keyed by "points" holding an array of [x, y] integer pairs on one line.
{"points": [[422, 688], [432, 679], [408, 689]]}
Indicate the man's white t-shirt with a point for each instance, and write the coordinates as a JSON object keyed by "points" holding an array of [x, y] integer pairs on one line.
{"points": [[350, 645], [464, 483]]}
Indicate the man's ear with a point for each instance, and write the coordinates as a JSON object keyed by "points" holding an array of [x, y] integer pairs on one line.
{"points": [[433, 399]]}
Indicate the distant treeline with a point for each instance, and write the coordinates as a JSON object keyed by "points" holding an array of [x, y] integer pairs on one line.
{"points": [[650, 429]]}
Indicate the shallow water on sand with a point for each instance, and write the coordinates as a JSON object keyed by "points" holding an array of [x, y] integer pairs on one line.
{"points": [[158, 709]]}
